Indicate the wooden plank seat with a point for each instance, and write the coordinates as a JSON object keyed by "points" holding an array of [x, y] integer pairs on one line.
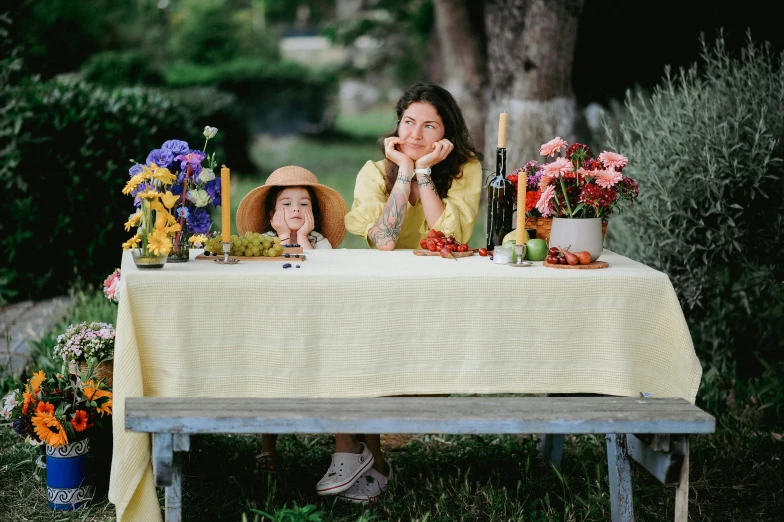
{"points": [[653, 431]]}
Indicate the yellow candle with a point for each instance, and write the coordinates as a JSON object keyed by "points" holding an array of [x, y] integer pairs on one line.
{"points": [[522, 181], [502, 131], [225, 205]]}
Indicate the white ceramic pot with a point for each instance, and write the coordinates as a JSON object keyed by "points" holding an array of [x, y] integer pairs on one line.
{"points": [[577, 235]]}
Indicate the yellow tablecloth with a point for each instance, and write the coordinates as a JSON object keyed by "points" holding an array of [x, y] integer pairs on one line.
{"points": [[355, 323]]}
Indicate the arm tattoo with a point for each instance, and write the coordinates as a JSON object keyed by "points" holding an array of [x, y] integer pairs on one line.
{"points": [[390, 223], [404, 179], [425, 181]]}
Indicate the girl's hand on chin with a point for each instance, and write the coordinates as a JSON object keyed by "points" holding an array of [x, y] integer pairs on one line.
{"points": [[394, 155]]}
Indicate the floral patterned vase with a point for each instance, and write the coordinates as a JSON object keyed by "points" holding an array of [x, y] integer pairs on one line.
{"points": [[577, 235], [68, 475]]}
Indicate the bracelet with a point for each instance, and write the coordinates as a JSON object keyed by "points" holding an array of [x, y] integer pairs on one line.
{"points": [[284, 239]]}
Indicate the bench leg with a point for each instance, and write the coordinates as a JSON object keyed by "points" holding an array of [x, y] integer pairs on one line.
{"points": [[174, 493], [551, 448], [620, 478], [682, 493], [167, 452]]}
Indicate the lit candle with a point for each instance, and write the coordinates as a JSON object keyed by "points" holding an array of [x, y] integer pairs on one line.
{"points": [[522, 181], [502, 131], [225, 205]]}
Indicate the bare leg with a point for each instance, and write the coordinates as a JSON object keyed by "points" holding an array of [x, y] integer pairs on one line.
{"points": [[347, 443], [374, 445], [268, 443]]}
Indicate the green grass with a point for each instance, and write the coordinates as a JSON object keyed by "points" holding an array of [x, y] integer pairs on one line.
{"points": [[334, 160]]}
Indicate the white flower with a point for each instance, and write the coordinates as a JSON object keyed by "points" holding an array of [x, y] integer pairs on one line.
{"points": [[210, 132], [10, 404], [206, 175], [200, 198], [33, 442]]}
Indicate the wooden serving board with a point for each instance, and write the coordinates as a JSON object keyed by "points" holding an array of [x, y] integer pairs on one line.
{"points": [[590, 266], [290, 259], [421, 252]]}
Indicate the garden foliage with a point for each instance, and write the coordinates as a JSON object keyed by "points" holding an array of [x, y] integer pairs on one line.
{"points": [[707, 149]]}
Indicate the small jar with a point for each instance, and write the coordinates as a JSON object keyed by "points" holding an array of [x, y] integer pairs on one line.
{"points": [[502, 255]]}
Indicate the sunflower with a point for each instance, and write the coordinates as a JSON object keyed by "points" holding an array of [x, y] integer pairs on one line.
{"points": [[79, 422], [36, 380], [91, 393], [45, 407], [49, 429], [133, 221], [132, 243], [159, 243]]}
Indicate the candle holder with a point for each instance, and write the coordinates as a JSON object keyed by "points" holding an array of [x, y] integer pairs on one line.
{"points": [[520, 253], [226, 259]]}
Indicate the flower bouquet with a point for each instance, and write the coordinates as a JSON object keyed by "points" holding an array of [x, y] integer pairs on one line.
{"points": [[111, 286], [174, 184], [83, 342]]}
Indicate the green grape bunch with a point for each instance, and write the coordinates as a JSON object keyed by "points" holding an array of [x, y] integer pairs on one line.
{"points": [[252, 244]]}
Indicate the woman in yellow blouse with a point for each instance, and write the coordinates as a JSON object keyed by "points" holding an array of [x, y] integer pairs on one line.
{"points": [[431, 178]]}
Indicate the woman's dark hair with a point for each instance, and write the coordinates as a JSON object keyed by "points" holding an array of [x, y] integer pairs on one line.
{"points": [[455, 130], [272, 197]]}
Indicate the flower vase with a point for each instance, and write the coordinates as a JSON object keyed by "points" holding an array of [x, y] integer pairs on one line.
{"points": [[578, 235], [180, 252], [68, 475], [146, 261]]}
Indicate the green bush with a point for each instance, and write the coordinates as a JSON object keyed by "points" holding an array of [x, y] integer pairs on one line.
{"points": [[707, 151], [62, 211], [121, 68]]}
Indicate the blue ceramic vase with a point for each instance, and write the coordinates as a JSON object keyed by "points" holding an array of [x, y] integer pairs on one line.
{"points": [[68, 475]]}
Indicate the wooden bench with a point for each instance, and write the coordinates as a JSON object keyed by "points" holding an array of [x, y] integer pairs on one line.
{"points": [[654, 432]]}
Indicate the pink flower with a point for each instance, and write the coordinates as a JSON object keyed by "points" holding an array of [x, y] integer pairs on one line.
{"points": [[613, 160], [558, 168], [552, 147], [111, 286], [607, 178], [543, 205]]}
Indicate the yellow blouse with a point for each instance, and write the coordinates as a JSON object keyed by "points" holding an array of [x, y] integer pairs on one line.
{"points": [[461, 205]]}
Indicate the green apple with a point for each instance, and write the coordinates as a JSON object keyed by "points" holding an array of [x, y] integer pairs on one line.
{"points": [[513, 237], [536, 249]]}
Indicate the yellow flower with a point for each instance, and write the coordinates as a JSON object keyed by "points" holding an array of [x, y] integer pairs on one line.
{"points": [[159, 243], [169, 199], [132, 243], [36, 380], [133, 221], [160, 221], [172, 229], [163, 175], [148, 194], [133, 183], [198, 238], [49, 429], [91, 393], [157, 206]]}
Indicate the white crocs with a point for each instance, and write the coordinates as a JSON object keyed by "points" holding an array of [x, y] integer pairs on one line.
{"points": [[345, 469], [368, 487]]}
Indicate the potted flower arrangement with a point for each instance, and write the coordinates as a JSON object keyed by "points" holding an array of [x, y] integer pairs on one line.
{"points": [[194, 189], [578, 192], [82, 342], [61, 411]]}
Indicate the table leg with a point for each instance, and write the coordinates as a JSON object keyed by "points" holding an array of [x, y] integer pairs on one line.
{"points": [[621, 501], [551, 448], [174, 492], [682, 493]]}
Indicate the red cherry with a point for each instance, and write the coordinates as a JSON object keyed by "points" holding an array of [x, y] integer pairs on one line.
{"points": [[423, 243], [483, 251]]}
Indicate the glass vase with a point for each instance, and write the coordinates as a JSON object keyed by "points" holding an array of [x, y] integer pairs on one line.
{"points": [[180, 252], [147, 261]]}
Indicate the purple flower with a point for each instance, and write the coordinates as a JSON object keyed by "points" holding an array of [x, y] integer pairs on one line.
{"points": [[213, 188], [136, 169], [199, 222], [176, 189], [177, 147], [533, 181], [192, 159], [161, 157]]}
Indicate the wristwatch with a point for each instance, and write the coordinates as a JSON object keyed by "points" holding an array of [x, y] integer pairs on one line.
{"points": [[426, 171]]}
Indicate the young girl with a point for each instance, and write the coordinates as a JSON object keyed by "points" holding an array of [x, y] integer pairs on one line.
{"points": [[295, 207]]}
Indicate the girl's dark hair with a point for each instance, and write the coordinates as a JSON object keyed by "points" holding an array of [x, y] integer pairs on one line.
{"points": [[272, 197], [455, 130]]}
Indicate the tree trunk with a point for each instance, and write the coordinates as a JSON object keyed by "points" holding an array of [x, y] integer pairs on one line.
{"points": [[462, 68], [530, 49]]}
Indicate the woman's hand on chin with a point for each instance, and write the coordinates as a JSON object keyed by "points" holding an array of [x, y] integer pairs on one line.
{"points": [[394, 155], [441, 150]]}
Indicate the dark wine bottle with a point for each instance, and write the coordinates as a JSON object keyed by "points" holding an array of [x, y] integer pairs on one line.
{"points": [[500, 202]]}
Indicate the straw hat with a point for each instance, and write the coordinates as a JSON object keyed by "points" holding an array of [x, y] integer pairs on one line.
{"points": [[252, 217]]}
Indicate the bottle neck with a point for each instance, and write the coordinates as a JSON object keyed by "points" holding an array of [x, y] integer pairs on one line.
{"points": [[500, 162]]}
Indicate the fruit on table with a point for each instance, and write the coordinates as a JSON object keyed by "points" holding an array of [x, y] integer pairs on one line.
{"points": [[556, 256], [536, 249], [584, 257], [513, 236], [252, 244], [447, 252], [483, 251], [570, 258], [436, 241]]}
